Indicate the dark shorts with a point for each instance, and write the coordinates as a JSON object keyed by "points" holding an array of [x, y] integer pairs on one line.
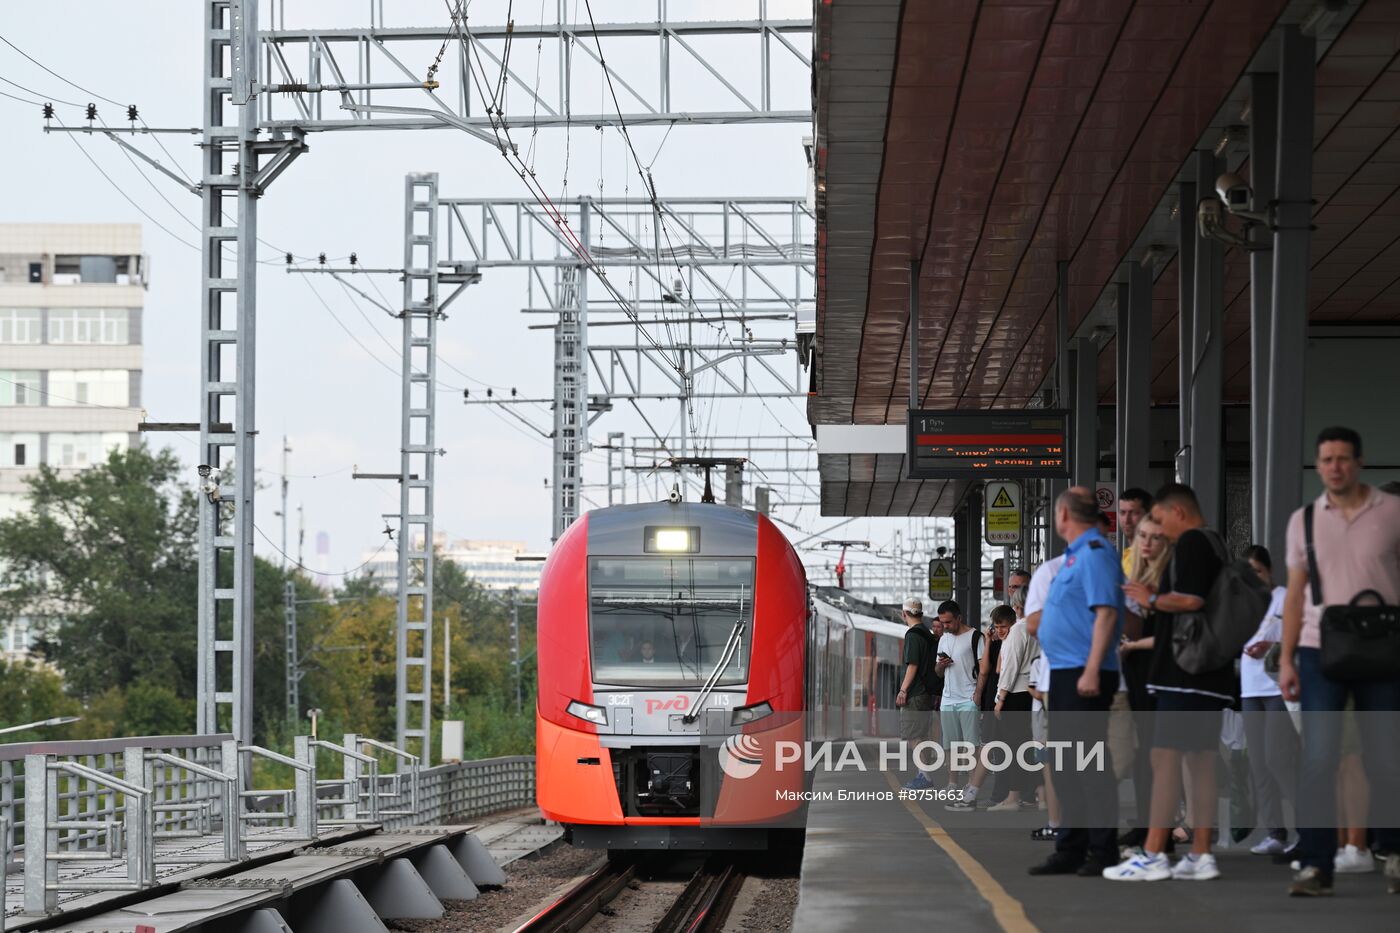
{"points": [[1187, 722], [916, 719]]}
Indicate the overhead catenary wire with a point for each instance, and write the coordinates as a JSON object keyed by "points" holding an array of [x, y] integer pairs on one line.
{"points": [[59, 76], [129, 199], [510, 151], [351, 292], [47, 98], [173, 160], [22, 100], [325, 573]]}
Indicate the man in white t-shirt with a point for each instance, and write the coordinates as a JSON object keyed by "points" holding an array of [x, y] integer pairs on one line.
{"points": [[962, 656], [1039, 589]]}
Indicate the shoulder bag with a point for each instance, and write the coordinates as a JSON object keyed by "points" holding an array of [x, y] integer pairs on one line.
{"points": [[1360, 640]]}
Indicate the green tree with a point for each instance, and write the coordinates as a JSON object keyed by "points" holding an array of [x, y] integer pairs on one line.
{"points": [[109, 552], [30, 693]]}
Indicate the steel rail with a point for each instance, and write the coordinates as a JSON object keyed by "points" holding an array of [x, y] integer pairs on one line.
{"points": [[703, 907], [582, 902]]}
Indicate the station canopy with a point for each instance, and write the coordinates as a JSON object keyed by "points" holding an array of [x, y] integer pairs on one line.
{"points": [[991, 140]]}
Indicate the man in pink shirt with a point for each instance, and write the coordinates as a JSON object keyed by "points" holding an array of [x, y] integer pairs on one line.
{"points": [[1356, 544]]}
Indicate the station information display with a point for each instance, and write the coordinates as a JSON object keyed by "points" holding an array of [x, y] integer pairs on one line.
{"points": [[971, 444]]}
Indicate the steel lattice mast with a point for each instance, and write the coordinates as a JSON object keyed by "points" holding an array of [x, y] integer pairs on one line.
{"points": [[240, 103]]}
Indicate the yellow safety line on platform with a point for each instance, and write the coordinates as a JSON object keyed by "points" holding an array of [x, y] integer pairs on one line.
{"points": [[1009, 912]]}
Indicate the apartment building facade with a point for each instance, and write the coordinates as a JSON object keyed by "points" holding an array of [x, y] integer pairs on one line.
{"points": [[71, 299]]}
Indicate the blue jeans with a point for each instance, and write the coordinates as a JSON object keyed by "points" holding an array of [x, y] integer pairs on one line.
{"points": [[1322, 747]]}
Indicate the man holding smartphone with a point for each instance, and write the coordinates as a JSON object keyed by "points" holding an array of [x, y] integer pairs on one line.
{"points": [[962, 660]]}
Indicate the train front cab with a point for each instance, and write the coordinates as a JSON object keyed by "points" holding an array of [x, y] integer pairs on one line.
{"points": [[638, 606]]}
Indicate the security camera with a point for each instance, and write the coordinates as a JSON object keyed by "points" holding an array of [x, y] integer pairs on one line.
{"points": [[1210, 223], [675, 496], [204, 470], [1209, 215], [1234, 191]]}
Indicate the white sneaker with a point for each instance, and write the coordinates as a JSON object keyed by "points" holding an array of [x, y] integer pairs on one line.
{"points": [[1269, 845], [1143, 867], [1006, 806], [1196, 868], [1353, 861]]}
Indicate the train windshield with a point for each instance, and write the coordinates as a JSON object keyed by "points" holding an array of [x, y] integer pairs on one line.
{"points": [[663, 621]]}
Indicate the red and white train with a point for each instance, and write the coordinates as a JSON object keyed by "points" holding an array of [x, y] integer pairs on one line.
{"points": [[679, 645]]}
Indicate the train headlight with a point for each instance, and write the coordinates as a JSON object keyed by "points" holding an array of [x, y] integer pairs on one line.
{"points": [[672, 539], [594, 714], [747, 714], [662, 540]]}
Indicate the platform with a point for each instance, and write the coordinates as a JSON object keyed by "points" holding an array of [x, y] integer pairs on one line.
{"points": [[262, 844], [902, 865], [511, 840], [341, 888]]}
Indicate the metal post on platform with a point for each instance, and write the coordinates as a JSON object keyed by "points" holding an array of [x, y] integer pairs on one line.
{"points": [[971, 547], [138, 826], [1263, 151], [1137, 385], [1063, 369], [915, 384], [1084, 453], [40, 835], [1207, 437], [1186, 301], [304, 790], [1291, 276], [1120, 363]]}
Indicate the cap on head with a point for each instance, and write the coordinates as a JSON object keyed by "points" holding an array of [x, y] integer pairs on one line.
{"points": [[914, 606]]}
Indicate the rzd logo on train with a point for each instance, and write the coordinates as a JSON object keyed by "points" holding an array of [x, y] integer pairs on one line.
{"points": [[679, 703]]}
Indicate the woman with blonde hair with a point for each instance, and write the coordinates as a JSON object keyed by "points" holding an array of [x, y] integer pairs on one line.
{"points": [[1150, 555]]}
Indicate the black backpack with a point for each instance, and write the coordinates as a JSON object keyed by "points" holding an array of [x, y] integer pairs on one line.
{"points": [[928, 675], [1213, 638]]}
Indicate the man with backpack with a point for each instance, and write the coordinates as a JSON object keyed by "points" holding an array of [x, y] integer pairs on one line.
{"points": [[1189, 702], [916, 689]]}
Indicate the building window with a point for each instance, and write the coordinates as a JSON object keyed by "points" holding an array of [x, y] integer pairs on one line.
{"points": [[17, 450], [20, 325], [83, 450], [89, 325], [110, 387], [19, 387], [100, 270]]}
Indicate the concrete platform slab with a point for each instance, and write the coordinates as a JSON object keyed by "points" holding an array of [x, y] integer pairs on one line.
{"points": [[263, 843], [893, 863]]}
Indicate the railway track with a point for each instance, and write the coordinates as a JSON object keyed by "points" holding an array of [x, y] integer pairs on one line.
{"points": [[702, 906]]}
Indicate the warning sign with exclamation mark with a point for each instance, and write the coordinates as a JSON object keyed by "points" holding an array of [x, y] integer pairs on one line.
{"points": [[1003, 513]]}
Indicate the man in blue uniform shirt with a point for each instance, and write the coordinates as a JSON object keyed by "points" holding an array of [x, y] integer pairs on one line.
{"points": [[1078, 632]]}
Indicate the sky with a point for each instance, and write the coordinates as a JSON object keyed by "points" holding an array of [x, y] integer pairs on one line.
{"points": [[326, 359]]}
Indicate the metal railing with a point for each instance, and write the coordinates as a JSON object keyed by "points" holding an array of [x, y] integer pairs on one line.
{"points": [[114, 814]]}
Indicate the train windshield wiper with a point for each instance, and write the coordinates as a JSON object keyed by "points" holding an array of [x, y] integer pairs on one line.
{"points": [[736, 635]]}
